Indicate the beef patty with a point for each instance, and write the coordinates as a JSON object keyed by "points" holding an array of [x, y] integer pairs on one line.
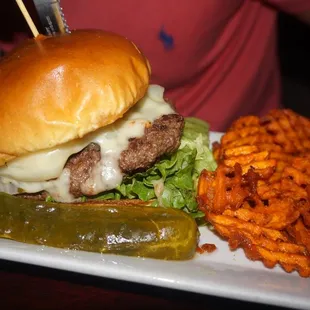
{"points": [[162, 137]]}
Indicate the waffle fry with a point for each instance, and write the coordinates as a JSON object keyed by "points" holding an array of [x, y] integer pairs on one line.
{"points": [[259, 196]]}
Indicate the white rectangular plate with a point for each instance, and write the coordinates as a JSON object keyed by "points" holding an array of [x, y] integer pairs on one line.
{"points": [[222, 273]]}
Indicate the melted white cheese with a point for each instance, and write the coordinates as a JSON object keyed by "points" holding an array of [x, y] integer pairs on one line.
{"points": [[31, 172]]}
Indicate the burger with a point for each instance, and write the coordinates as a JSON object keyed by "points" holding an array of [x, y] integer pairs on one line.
{"points": [[80, 120]]}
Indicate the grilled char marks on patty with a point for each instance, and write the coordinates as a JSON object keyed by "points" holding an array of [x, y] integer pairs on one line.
{"points": [[81, 165], [36, 196], [163, 137]]}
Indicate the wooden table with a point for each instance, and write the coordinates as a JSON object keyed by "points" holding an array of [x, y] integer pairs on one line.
{"points": [[25, 286]]}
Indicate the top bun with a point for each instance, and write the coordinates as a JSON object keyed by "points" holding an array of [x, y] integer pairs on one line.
{"points": [[56, 89]]}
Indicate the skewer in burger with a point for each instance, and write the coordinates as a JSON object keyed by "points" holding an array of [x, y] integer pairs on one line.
{"points": [[80, 121]]}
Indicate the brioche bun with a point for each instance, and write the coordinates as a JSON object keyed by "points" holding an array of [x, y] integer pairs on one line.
{"points": [[56, 89]]}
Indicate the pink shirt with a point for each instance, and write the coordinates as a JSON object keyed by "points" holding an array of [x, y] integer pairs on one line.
{"points": [[217, 59]]}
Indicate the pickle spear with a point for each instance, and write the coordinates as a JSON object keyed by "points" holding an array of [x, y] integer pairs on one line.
{"points": [[120, 227]]}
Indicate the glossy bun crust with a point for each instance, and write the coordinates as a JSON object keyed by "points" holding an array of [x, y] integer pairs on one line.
{"points": [[56, 89]]}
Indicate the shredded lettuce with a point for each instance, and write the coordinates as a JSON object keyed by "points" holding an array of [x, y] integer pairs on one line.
{"points": [[172, 181]]}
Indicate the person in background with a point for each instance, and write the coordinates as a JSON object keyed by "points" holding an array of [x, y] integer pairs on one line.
{"points": [[217, 59]]}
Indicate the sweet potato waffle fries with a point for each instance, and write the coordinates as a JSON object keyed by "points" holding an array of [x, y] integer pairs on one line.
{"points": [[258, 197]]}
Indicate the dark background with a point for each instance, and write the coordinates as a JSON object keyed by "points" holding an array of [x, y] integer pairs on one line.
{"points": [[294, 54]]}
